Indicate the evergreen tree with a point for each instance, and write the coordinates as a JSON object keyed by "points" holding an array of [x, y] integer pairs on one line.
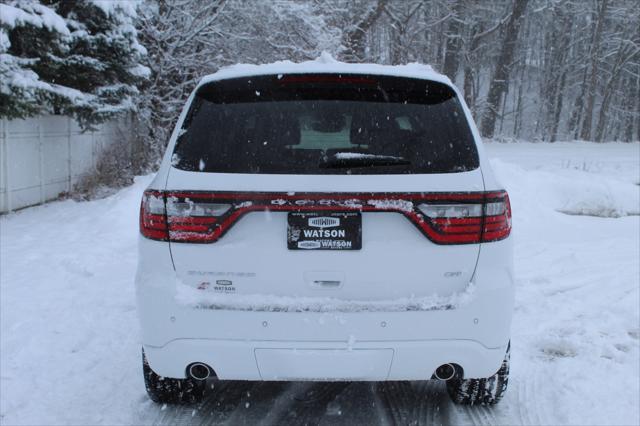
{"points": [[77, 58]]}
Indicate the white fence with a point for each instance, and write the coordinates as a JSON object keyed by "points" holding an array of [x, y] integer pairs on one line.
{"points": [[42, 157]]}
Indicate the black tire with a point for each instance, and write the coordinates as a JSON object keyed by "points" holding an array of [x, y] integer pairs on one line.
{"points": [[165, 390], [487, 391]]}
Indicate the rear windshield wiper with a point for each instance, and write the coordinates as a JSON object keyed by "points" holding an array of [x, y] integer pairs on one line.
{"points": [[357, 159]]}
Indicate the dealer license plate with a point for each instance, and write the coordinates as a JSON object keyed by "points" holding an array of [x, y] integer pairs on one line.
{"points": [[324, 231]]}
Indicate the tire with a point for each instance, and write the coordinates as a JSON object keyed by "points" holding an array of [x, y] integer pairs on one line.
{"points": [[487, 391], [165, 390]]}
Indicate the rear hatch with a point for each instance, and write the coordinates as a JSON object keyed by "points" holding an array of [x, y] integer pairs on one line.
{"points": [[339, 187]]}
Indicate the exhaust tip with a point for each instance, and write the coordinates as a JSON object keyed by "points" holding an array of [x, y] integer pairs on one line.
{"points": [[445, 372], [199, 371]]}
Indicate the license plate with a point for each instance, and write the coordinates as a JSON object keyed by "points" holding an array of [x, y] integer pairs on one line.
{"points": [[324, 231]]}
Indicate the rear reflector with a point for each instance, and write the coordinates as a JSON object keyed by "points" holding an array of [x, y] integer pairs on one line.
{"points": [[444, 218]]}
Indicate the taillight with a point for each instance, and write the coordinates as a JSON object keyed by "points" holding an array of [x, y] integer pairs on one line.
{"points": [[454, 223], [153, 217], [497, 219], [444, 218], [487, 219], [192, 220]]}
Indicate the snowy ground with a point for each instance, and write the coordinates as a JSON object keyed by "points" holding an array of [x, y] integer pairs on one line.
{"points": [[69, 349]]}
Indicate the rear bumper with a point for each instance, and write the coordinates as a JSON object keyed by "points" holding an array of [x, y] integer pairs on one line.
{"points": [[257, 345], [294, 360]]}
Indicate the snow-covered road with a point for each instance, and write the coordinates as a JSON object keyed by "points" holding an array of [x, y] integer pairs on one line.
{"points": [[69, 345]]}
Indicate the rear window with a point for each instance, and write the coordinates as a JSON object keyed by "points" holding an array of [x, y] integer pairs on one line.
{"points": [[325, 124]]}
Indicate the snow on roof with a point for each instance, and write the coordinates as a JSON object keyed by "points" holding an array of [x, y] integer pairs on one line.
{"points": [[325, 63]]}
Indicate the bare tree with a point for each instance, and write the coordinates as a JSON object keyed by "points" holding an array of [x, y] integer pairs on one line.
{"points": [[626, 52], [355, 34], [555, 75], [585, 133], [499, 82], [405, 26], [454, 40]]}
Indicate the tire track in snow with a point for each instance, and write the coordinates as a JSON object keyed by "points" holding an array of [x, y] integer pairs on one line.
{"points": [[312, 404], [525, 406], [415, 403], [309, 403], [523, 402], [380, 405], [297, 403], [278, 403], [393, 396], [222, 403], [528, 404], [219, 404], [433, 403], [357, 404], [543, 410], [481, 415], [258, 402], [478, 415]]}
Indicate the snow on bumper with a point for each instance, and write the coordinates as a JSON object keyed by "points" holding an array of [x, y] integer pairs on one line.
{"points": [[194, 298], [377, 345]]}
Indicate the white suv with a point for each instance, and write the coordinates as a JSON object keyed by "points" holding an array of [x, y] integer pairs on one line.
{"points": [[325, 221]]}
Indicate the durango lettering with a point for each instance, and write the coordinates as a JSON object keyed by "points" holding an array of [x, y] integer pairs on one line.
{"points": [[324, 233]]}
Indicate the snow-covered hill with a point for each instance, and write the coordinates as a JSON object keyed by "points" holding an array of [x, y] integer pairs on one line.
{"points": [[69, 346]]}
